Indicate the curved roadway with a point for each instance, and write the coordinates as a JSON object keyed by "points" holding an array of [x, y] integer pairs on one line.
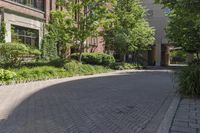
{"points": [[121, 102]]}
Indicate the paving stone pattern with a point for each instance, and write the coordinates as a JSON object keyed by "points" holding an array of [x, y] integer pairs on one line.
{"points": [[123, 103], [187, 117]]}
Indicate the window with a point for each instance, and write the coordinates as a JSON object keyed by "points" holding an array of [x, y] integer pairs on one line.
{"points": [[38, 4], [93, 41], [25, 35]]}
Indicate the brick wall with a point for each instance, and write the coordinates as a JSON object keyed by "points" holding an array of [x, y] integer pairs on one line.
{"points": [[22, 9]]}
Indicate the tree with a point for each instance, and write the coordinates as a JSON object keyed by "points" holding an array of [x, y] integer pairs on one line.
{"points": [[90, 16], [129, 31], [121, 42], [142, 36], [59, 29], [184, 26]]}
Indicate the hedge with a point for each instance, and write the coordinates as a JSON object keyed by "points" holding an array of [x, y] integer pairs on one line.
{"points": [[72, 68], [125, 66], [15, 53], [95, 58]]}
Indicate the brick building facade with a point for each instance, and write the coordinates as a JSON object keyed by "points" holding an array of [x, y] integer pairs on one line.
{"points": [[25, 21]]}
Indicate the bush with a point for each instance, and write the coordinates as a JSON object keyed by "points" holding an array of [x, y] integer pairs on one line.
{"points": [[43, 62], [39, 73], [33, 71], [178, 56], [125, 66], [48, 72], [58, 62], [86, 69], [189, 80], [76, 68], [72, 66], [195, 61], [6, 75], [95, 58], [15, 53]]}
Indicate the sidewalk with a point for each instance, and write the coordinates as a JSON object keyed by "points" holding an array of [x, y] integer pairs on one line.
{"points": [[187, 117], [183, 116]]}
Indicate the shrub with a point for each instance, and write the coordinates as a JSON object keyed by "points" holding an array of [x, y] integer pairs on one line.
{"points": [[86, 69], [125, 66], [15, 53], [38, 73], [48, 72], [189, 80], [6, 75], [58, 62], [95, 58], [76, 68], [101, 69], [195, 61], [178, 56], [72, 66], [30, 64]]}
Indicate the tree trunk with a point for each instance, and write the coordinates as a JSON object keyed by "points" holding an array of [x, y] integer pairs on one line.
{"points": [[132, 60], [124, 58], [136, 57], [58, 49], [81, 52], [67, 53], [197, 53]]}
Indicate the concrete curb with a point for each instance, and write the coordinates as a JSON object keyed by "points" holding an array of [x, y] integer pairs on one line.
{"points": [[169, 116]]}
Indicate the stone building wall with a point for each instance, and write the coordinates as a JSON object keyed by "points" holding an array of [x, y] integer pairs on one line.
{"points": [[14, 19], [21, 15], [157, 19]]}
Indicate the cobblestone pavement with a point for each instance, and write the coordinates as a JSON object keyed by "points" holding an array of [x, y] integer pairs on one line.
{"points": [[187, 117], [116, 103]]}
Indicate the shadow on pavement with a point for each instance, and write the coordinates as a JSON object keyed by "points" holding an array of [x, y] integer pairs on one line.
{"points": [[123, 103]]}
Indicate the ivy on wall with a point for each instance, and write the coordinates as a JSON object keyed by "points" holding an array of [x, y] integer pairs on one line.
{"points": [[2, 32]]}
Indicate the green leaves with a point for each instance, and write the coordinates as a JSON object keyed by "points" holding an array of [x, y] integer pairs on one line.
{"points": [[6, 75], [2, 32], [129, 31], [189, 80], [60, 31], [95, 58], [142, 35], [15, 53], [184, 25], [184, 31]]}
